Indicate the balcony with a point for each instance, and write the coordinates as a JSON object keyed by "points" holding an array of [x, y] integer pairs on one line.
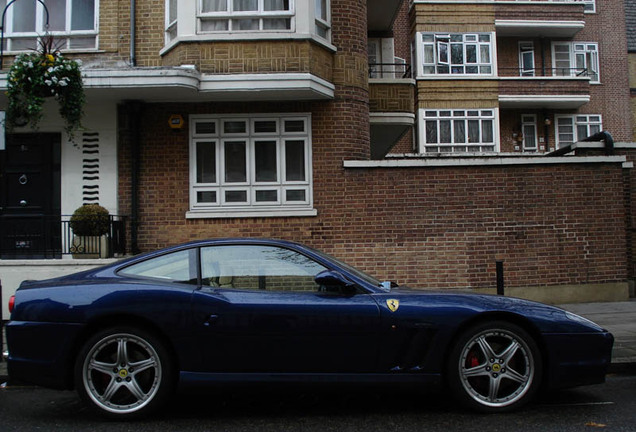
{"points": [[565, 89], [50, 237], [558, 20], [391, 105]]}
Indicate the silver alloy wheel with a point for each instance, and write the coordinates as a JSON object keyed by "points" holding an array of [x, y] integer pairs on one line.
{"points": [[496, 368], [122, 373]]}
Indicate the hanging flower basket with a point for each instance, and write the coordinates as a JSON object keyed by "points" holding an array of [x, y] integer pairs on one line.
{"points": [[41, 74]]}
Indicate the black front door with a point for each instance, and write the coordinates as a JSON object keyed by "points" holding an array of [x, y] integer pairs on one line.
{"points": [[30, 221]]}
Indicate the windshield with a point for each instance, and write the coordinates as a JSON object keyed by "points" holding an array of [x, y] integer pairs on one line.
{"points": [[358, 273]]}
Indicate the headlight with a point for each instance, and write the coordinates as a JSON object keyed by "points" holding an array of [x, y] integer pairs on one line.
{"points": [[581, 320]]}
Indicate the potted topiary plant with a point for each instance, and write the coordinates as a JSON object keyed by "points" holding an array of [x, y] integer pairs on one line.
{"points": [[90, 223]]}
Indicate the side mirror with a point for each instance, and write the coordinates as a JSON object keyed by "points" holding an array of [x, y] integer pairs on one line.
{"points": [[332, 278]]}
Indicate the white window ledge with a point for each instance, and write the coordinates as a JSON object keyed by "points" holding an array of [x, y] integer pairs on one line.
{"points": [[437, 161], [226, 214]]}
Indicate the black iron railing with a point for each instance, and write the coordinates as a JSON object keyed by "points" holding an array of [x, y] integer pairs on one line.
{"points": [[48, 237], [389, 70], [544, 72]]}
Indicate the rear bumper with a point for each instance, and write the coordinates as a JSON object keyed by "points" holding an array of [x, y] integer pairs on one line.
{"points": [[41, 353], [578, 359]]}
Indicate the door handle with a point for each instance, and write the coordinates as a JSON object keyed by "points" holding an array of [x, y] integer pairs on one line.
{"points": [[23, 203], [212, 319]]}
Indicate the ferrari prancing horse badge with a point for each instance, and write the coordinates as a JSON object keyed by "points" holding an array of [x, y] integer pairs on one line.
{"points": [[393, 304]]}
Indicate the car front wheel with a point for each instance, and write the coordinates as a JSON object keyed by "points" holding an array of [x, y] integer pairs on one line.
{"points": [[124, 372], [494, 367]]}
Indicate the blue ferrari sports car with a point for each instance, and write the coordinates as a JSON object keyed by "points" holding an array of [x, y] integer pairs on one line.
{"points": [[127, 335]]}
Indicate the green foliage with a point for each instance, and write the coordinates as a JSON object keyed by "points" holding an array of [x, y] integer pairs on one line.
{"points": [[45, 73], [90, 220]]}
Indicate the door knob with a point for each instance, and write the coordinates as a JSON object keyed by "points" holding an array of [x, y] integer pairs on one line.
{"points": [[23, 203]]}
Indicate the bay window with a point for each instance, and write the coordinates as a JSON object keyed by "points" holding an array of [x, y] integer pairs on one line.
{"points": [[245, 15], [73, 24], [456, 54], [458, 131], [250, 163]]}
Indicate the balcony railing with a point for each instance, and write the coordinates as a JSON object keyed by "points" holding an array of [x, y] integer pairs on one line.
{"points": [[50, 237], [543, 72], [389, 70]]}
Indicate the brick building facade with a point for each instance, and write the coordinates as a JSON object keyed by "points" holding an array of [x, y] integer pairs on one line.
{"points": [[408, 138]]}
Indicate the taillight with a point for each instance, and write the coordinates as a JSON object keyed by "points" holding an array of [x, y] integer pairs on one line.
{"points": [[11, 303]]}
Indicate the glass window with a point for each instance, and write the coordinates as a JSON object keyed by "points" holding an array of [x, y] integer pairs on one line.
{"points": [[71, 22], [459, 131], [256, 267], [573, 128], [254, 162], [456, 54], [576, 59], [245, 15], [174, 267], [529, 132]]}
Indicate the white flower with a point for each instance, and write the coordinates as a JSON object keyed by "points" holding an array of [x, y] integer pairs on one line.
{"points": [[63, 83], [48, 82]]}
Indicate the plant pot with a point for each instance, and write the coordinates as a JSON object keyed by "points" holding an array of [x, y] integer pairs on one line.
{"points": [[90, 247]]}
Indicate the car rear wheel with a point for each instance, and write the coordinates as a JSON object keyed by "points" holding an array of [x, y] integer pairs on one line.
{"points": [[124, 372], [495, 367]]}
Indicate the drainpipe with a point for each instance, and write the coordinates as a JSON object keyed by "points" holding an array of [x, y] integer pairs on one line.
{"points": [[134, 123], [133, 33]]}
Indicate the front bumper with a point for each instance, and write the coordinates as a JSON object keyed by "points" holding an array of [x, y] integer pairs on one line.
{"points": [[578, 359]]}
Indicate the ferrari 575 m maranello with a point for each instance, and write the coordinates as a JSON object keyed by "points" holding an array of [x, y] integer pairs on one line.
{"points": [[127, 335]]}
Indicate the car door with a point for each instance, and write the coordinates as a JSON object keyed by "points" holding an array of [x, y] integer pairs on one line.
{"points": [[259, 310]]}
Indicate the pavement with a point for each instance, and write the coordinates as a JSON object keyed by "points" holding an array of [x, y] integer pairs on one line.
{"points": [[617, 317]]}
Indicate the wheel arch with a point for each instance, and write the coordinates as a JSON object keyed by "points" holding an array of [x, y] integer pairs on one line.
{"points": [[112, 320], [509, 317]]}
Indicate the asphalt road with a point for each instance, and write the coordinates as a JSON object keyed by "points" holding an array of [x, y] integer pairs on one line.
{"points": [[608, 407]]}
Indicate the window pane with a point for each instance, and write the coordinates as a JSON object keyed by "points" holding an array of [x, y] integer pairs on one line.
{"points": [[235, 126], [473, 131], [484, 54], [24, 16], [294, 126], [213, 6], [581, 132], [460, 131], [266, 196], [57, 14], [236, 196], [295, 160], [205, 127], [321, 9], [172, 12], [206, 162], [457, 54], [177, 266], [83, 15], [214, 25], [276, 24], [245, 24], [487, 131], [206, 197], [235, 160], [445, 131], [471, 54], [245, 5], [265, 126], [81, 42], [265, 161], [431, 131], [428, 54], [276, 5], [295, 195]]}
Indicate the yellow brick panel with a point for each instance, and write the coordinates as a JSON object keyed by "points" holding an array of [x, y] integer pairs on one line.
{"points": [[457, 94], [454, 18]]}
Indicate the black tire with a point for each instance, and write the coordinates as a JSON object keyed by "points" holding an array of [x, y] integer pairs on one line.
{"points": [[494, 367], [124, 372]]}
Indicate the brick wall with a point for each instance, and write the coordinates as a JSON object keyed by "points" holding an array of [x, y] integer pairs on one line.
{"points": [[428, 227]]}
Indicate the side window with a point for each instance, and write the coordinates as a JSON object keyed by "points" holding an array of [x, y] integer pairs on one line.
{"points": [[174, 267], [255, 267]]}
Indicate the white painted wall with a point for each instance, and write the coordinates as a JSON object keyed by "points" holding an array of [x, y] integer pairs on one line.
{"points": [[99, 117]]}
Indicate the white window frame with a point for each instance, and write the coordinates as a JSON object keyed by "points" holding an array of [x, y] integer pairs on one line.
{"points": [[63, 39], [529, 120], [323, 23], [526, 47], [172, 23], [588, 121], [282, 206], [458, 114], [229, 16], [587, 51], [439, 39]]}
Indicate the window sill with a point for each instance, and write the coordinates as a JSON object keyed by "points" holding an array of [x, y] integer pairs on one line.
{"points": [[246, 36], [251, 213]]}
